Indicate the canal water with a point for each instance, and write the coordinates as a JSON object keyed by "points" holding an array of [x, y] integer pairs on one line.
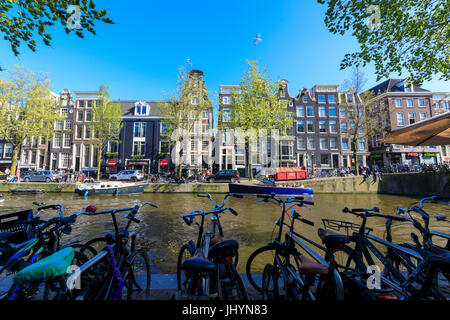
{"points": [[162, 232]]}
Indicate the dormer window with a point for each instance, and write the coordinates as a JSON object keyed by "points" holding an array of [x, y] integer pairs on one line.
{"points": [[407, 87], [141, 109], [350, 98]]}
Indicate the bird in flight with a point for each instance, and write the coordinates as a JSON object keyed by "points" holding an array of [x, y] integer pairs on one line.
{"points": [[257, 39], [189, 61]]}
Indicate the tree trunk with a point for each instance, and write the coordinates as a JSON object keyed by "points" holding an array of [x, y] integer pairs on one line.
{"points": [[14, 161], [249, 160], [355, 157], [99, 161]]}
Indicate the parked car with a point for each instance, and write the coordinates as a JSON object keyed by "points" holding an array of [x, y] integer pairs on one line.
{"points": [[41, 176], [224, 175], [131, 175]]}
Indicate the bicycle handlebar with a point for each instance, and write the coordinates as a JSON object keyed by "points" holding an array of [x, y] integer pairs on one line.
{"points": [[189, 217], [371, 212]]}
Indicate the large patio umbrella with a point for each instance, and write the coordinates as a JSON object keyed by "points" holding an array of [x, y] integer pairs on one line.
{"points": [[434, 131]]}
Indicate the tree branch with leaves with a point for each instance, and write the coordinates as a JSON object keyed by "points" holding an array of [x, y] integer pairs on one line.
{"points": [[257, 106], [27, 109], [106, 123], [395, 35]]}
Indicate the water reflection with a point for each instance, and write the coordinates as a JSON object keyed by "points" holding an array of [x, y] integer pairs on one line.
{"points": [[162, 232]]}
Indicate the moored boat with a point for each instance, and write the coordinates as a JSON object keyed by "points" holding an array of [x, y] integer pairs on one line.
{"points": [[25, 191], [249, 189], [110, 187]]}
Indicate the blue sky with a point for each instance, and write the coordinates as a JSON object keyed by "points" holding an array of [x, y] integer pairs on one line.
{"points": [[138, 57]]}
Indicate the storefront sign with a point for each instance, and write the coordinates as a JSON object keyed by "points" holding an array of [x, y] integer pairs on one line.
{"points": [[163, 163], [446, 158], [413, 154], [111, 162], [376, 156], [429, 154]]}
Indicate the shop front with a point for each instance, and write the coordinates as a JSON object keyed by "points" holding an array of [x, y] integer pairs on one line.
{"points": [[429, 158], [412, 158], [142, 165], [163, 166]]}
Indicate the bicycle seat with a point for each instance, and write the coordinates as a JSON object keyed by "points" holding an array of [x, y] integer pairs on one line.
{"points": [[5, 235], [308, 266], [329, 237], [52, 266], [198, 265], [223, 249]]}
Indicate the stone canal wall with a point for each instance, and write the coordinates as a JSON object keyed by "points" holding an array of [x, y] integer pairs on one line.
{"points": [[399, 184]]}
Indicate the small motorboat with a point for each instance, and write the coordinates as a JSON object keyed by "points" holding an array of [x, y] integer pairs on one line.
{"points": [[25, 191], [110, 187], [269, 188]]}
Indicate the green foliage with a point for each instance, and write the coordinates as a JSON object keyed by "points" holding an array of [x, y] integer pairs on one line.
{"points": [[111, 154], [257, 105], [27, 108], [410, 35], [106, 122], [22, 21], [138, 156]]}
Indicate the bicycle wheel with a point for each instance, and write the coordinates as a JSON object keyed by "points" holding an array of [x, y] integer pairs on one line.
{"points": [[345, 261], [185, 282], [269, 283], [256, 264], [236, 290], [137, 276], [97, 244]]}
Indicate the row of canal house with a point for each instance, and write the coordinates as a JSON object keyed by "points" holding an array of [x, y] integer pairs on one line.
{"points": [[318, 138]]}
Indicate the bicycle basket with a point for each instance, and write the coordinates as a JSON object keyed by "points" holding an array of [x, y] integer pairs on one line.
{"points": [[18, 223], [340, 225]]}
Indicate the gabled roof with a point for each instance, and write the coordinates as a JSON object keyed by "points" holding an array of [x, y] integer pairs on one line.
{"points": [[394, 85], [127, 107]]}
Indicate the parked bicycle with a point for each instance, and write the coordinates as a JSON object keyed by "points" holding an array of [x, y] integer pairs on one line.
{"points": [[119, 264], [298, 274], [207, 269]]}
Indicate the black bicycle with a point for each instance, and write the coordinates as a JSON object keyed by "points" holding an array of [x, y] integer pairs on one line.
{"points": [[296, 273], [207, 269], [120, 264]]}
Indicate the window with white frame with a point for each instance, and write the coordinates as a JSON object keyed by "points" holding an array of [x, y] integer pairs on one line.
{"points": [[422, 103], [57, 141], [350, 98], [311, 143], [300, 126], [67, 125], [323, 143], [321, 98], [362, 144], [139, 148], [205, 114], [59, 125], [305, 99], [79, 132], [226, 100], [333, 126], [412, 117], [344, 127], [331, 98], [140, 129], [310, 126], [88, 115], [300, 111], [64, 112], [87, 132], [66, 141], [301, 143], [399, 103], [332, 111], [310, 111], [410, 103], [322, 111], [194, 145], [423, 116], [342, 113], [226, 115], [195, 100], [400, 119], [205, 145], [322, 126], [80, 115], [333, 143], [345, 144], [64, 160]]}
